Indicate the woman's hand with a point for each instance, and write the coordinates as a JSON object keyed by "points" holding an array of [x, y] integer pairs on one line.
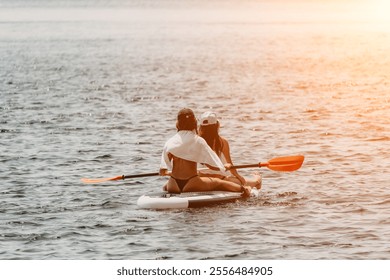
{"points": [[163, 172], [228, 166]]}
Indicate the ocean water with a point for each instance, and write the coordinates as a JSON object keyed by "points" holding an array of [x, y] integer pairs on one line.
{"points": [[91, 89]]}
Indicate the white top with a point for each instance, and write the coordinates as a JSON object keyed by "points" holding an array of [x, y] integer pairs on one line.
{"points": [[188, 145]]}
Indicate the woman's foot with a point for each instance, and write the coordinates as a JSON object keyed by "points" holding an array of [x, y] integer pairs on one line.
{"points": [[257, 181], [246, 191]]}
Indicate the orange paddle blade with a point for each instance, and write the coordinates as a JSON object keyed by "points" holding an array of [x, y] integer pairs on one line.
{"points": [[285, 167], [290, 163], [287, 160]]}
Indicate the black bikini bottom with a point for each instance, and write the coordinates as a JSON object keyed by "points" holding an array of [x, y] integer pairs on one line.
{"points": [[182, 183]]}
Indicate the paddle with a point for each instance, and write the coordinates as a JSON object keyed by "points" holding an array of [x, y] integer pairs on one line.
{"points": [[290, 163]]}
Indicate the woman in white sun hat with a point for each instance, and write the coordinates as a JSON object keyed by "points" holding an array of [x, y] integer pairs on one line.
{"points": [[209, 130]]}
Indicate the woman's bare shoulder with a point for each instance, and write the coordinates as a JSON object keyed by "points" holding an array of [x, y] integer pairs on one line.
{"points": [[224, 140]]}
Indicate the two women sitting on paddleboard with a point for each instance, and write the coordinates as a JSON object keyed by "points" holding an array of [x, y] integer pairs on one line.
{"points": [[183, 152]]}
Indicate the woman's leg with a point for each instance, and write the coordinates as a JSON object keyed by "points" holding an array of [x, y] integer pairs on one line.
{"points": [[213, 184], [253, 182]]}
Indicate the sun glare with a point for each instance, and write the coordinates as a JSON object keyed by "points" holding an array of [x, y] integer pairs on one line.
{"points": [[379, 10]]}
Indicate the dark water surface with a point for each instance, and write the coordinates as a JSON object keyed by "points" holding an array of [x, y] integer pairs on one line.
{"points": [[92, 90]]}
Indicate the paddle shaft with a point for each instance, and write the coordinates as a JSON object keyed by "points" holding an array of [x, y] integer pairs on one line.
{"points": [[156, 173], [248, 165], [140, 175]]}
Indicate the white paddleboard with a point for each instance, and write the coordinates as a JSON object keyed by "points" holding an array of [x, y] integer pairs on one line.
{"points": [[164, 200]]}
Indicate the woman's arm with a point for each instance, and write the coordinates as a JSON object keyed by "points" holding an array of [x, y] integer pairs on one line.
{"points": [[226, 153]]}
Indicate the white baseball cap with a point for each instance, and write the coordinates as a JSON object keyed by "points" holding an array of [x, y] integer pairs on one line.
{"points": [[208, 118]]}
